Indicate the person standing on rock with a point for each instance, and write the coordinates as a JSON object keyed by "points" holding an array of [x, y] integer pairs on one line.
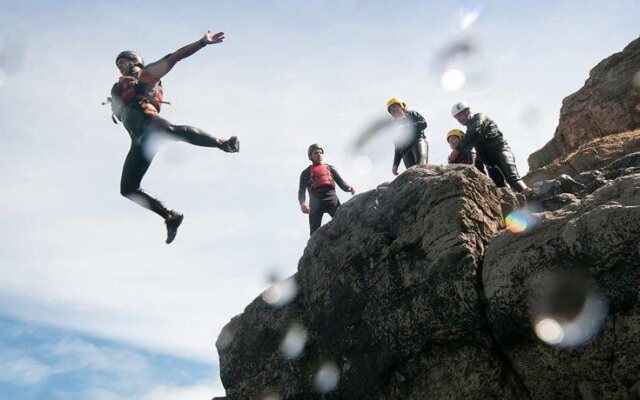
{"points": [[454, 136], [410, 144], [483, 134], [320, 180], [136, 100]]}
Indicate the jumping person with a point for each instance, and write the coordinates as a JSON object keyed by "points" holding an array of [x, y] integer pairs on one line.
{"points": [[483, 134], [412, 146], [136, 100], [320, 179], [454, 136]]}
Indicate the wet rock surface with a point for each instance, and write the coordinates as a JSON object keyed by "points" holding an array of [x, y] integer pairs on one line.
{"points": [[415, 290]]}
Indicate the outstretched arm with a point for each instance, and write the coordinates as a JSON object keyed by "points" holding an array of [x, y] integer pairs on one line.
{"points": [[156, 70]]}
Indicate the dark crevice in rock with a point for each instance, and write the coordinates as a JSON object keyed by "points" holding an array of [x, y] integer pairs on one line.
{"points": [[509, 374]]}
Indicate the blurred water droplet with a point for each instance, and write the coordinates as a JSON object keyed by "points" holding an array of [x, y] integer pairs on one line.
{"points": [[453, 79], [530, 116], [327, 377], [362, 165], [281, 293], [151, 143], [402, 133], [572, 310], [636, 81], [468, 16], [294, 341], [225, 338], [549, 331]]}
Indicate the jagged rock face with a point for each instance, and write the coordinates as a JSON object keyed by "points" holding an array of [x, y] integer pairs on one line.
{"points": [[386, 286], [608, 103], [415, 291], [595, 240], [591, 156]]}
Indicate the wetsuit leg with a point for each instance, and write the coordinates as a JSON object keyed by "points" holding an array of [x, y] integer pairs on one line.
{"points": [[420, 151], [417, 154], [315, 218], [496, 176], [183, 133], [135, 166], [506, 162], [408, 159]]}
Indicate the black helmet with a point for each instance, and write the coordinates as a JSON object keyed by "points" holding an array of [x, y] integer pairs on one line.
{"points": [[313, 147], [132, 56]]}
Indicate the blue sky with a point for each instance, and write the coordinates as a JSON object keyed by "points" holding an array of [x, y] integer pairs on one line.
{"points": [[86, 280]]}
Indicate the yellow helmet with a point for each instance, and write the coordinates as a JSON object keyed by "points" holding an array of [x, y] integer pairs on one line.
{"points": [[395, 100], [455, 132]]}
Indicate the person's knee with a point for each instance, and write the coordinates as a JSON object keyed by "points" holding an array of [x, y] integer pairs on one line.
{"points": [[128, 190]]}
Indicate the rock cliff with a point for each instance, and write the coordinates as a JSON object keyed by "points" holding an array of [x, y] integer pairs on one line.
{"points": [[608, 103], [415, 290], [439, 285]]}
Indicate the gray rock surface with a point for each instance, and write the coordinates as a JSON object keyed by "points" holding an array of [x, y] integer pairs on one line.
{"points": [[415, 291]]}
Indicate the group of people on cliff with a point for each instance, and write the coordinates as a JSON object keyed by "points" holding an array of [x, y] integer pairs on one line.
{"points": [[137, 97], [482, 145]]}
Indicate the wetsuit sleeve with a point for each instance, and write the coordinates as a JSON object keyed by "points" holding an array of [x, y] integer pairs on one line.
{"points": [[156, 70], [418, 121], [338, 179], [397, 156], [302, 187], [471, 137]]}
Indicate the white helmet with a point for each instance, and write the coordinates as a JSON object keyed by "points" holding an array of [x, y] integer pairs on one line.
{"points": [[458, 108]]}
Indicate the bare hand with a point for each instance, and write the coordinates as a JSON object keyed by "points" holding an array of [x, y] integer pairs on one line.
{"points": [[211, 38], [394, 170], [352, 190], [305, 208]]}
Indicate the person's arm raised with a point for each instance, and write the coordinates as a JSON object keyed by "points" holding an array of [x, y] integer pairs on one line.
{"points": [[156, 70]]}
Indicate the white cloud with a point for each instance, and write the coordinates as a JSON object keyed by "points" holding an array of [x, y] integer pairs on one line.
{"points": [[23, 370]]}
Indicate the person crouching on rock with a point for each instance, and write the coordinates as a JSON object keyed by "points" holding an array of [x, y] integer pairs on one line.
{"points": [[135, 100], [454, 136], [320, 179], [411, 146], [483, 134]]}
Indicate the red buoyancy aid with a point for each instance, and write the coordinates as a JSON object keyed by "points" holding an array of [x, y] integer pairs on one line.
{"points": [[461, 159], [321, 176], [129, 89]]}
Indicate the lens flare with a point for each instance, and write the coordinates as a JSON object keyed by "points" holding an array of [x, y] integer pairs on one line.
{"points": [[327, 378], [518, 221], [453, 79], [281, 293], [549, 331], [294, 341]]}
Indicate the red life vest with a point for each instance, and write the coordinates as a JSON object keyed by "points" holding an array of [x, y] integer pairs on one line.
{"points": [[321, 176], [129, 89], [461, 159]]}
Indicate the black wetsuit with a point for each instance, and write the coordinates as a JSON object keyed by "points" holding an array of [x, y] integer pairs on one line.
{"points": [[470, 157], [483, 134], [321, 200], [416, 150], [144, 129]]}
